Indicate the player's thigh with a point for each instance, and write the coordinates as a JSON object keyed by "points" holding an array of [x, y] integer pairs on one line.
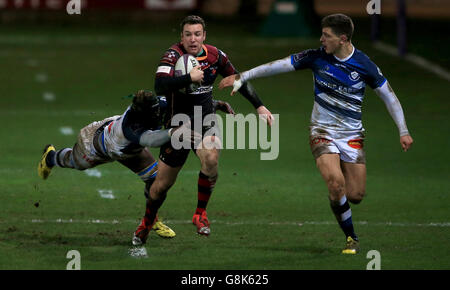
{"points": [[209, 152], [355, 180], [330, 169], [329, 166], [139, 161]]}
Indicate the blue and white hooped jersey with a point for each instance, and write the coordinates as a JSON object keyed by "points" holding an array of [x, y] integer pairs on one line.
{"points": [[339, 87]]}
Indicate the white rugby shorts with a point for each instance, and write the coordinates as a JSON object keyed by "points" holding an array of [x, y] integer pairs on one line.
{"points": [[349, 145]]}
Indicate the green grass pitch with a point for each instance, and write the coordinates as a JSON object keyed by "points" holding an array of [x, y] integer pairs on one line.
{"points": [[264, 214]]}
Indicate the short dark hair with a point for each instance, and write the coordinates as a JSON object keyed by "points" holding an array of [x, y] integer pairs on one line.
{"points": [[146, 109], [193, 19], [340, 24]]}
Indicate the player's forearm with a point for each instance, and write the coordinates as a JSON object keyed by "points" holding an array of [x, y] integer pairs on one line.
{"points": [[394, 107], [272, 68], [164, 85], [154, 138], [249, 93]]}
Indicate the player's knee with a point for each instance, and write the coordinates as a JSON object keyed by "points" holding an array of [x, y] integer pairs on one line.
{"points": [[335, 185], [356, 197], [159, 189], [211, 162]]}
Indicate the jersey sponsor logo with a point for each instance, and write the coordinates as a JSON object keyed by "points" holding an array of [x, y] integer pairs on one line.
{"points": [[163, 69], [202, 90], [356, 143], [325, 70], [327, 73], [354, 76], [336, 87]]}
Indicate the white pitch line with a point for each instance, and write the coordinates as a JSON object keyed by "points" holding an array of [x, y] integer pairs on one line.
{"points": [[41, 77], [48, 96], [289, 223], [66, 130], [106, 193], [93, 172], [415, 59]]}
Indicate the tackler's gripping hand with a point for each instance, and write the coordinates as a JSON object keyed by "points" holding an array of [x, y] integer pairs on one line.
{"points": [[224, 107]]}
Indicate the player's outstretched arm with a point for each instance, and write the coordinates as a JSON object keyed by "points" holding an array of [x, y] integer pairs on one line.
{"points": [[272, 68], [386, 93], [233, 80]]}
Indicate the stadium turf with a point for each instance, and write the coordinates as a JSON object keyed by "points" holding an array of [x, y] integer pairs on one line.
{"points": [[264, 214]]}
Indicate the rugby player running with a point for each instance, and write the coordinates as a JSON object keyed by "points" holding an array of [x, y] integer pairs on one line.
{"points": [[213, 62], [341, 73]]}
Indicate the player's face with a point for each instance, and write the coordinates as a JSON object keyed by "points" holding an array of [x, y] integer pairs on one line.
{"points": [[330, 41], [192, 38]]}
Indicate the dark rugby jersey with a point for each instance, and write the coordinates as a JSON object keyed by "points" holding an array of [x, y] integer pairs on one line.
{"points": [[213, 62]]}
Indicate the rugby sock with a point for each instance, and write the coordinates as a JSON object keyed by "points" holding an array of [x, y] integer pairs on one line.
{"points": [[61, 158], [343, 213], [152, 206], [205, 187]]}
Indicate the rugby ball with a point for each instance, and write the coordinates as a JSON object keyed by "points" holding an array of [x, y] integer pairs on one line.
{"points": [[183, 66]]}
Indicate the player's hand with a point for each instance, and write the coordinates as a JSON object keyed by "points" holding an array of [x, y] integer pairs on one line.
{"points": [[224, 107], [233, 80], [196, 74], [265, 114], [406, 142]]}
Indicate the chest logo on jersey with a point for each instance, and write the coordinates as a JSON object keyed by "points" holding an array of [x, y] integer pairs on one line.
{"points": [[205, 65], [354, 76]]}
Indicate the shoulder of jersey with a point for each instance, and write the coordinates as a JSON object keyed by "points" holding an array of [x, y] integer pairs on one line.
{"points": [[178, 48], [360, 54], [212, 53], [172, 54], [362, 58], [309, 53]]}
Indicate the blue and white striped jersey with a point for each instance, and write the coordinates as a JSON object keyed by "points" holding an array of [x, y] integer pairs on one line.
{"points": [[339, 87]]}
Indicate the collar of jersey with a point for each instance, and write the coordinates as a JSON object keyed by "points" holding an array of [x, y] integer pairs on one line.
{"points": [[348, 57], [200, 58]]}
